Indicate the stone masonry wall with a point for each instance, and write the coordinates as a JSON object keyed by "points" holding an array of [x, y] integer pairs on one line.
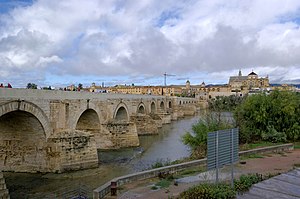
{"points": [[4, 194], [74, 150], [145, 124], [121, 134]]}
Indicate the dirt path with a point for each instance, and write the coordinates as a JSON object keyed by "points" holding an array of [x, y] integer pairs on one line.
{"points": [[270, 163]]}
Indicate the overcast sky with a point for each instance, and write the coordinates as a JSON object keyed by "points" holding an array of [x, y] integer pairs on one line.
{"points": [[62, 42]]}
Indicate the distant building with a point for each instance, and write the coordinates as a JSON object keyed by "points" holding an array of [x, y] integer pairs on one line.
{"points": [[238, 85], [244, 84]]}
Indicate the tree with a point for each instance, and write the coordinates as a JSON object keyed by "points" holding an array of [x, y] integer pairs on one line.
{"points": [[31, 86], [197, 140], [273, 117], [225, 103], [80, 86]]}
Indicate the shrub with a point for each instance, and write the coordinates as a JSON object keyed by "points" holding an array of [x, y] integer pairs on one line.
{"points": [[273, 117], [209, 191], [246, 181], [197, 140], [222, 190]]}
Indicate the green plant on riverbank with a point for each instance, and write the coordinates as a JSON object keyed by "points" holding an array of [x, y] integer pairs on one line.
{"points": [[162, 163], [223, 190], [197, 140]]}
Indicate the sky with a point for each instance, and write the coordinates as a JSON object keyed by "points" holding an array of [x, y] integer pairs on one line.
{"points": [[58, 43]]}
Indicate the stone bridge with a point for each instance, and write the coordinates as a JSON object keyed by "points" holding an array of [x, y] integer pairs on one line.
{"points": [[55, 131]]}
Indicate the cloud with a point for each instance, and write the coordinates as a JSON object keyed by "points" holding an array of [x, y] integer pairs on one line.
{"points": [[147, 38]]}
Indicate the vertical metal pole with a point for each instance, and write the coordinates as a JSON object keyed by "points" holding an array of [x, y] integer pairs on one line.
{"points": [[217, 158], [232, 179]]}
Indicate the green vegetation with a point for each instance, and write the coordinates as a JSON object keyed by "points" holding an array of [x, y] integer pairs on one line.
{"points": [[225, 103], [263, 119], [162, 163], [255, 155], [255, 145], [273, 118], [297, 145], [31, 86], [187, 172], [198, 138], [246, 181], [209, 191], [164, 183], [223, 190]]}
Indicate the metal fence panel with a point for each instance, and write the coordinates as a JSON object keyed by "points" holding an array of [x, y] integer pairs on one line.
{"points": [[222, 148]]}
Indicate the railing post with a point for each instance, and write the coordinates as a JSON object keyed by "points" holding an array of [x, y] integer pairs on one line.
{"points": [[113, 188]]}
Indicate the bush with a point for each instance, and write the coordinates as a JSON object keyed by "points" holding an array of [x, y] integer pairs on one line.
{"points": [[209, 191], [273, 117], [273, 136], [222, 190], [246, 181], [197, 140]]}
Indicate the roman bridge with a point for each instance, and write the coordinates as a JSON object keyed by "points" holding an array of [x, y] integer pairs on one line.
{"points": [[55, 131]]}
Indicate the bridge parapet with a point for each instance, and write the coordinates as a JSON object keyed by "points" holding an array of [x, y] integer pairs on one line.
{"points": [[37, 125]]}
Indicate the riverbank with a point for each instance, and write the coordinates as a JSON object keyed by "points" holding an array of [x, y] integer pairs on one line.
{"points": [[271, 163]]}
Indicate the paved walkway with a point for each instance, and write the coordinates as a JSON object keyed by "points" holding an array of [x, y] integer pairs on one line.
{"points": [[271, 163], [284, 186]]}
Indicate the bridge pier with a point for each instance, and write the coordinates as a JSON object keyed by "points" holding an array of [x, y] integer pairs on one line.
{"points": [[72, 150], [145, 124], [121, 133], [165, 117]]}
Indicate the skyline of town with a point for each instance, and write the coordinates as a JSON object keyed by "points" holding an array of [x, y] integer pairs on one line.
{"points": [[59, 43]]}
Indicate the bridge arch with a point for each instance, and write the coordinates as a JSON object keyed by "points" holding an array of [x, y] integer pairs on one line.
{"points": [[162, 105], [170, 104], [28, 107], [152, 107], [24, 128], [121, 112], [141, 108], [88, 120]]}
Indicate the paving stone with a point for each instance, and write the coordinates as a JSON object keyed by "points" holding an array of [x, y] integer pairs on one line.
{"points": [[284, 186]]}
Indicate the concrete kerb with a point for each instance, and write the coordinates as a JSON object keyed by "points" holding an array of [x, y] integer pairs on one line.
{"points": [[105, 189]]}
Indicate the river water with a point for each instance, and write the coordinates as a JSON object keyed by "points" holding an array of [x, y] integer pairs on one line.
{"points": [[166, 146]]}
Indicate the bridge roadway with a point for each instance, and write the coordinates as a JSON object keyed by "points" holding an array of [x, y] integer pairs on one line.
{"points": [[56, 131]]}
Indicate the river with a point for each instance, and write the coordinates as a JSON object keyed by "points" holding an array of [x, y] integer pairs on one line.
{"points": [[166, 146]]}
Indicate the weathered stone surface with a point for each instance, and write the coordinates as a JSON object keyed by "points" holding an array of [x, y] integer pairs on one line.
{"points": [[4, 194], [41, 130], [121, 134], [72, 150], [157, 119], [145, 124]]}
